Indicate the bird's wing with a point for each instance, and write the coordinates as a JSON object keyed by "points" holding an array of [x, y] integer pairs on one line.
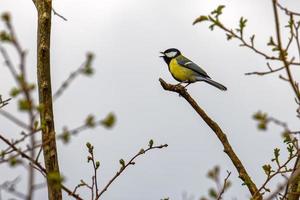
{"points": [[185, 62]]}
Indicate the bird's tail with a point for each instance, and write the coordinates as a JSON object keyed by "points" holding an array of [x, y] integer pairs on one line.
{"points": [[213, 83]]}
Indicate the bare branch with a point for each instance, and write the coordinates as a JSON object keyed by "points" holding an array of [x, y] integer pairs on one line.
{"points": [[243, 174], [85, 68], [37, 165], [130, 162]]}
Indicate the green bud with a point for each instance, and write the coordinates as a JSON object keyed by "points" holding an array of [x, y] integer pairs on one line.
{"points": [[262, 125], [5, 17], [218, 11], [212, 193], [36, 124], [109, 121], [122, 162], [252, 40], [242, 23], [151, 142], [142, 151], [229, 36], [65, 136], [227, 185], [5, 37], [203, 198], [259, 116], [202, 18], [286, 136], [40, 108], [267, 169], [87, 69], [30, 86], [271, 42], [214, 173], [90, 121], [88, 145], [291, 150], [276, 153], [13, 161], [97, 164], [14, 92], [24, 105], [2, 153], [55, 179]]}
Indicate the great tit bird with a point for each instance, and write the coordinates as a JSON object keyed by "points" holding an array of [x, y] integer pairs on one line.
{"points": [[186, 71]]}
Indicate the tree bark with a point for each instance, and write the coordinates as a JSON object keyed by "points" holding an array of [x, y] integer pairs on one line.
{"points": [[44, 8]]}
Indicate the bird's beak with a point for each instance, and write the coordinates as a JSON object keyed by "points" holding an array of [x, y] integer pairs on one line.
{"points": [[163, 54]]}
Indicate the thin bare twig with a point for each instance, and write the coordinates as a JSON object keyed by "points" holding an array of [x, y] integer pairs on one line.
{"points": [[54, 12], [271, 70], [295, 33], [130, 162], [224, 186], [286, 10], [3, 102], [84, 68], [59, 15], [14, 119], [8, 63], [10, 187]]}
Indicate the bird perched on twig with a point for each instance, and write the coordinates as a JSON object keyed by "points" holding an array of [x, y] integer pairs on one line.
{"points": [[186, 71]]}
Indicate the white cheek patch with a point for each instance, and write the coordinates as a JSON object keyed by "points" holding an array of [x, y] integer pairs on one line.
{"points": [[171, 54]]}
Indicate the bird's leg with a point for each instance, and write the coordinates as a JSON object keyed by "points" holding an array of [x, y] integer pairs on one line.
{"points": [[187, 84], [179, 84], [182, 83]]}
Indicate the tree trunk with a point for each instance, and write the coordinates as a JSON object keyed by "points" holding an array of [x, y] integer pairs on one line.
{"points": [[44, 8]]}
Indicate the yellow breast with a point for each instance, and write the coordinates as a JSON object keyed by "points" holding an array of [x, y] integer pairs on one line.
{"points": [[181, 73]]}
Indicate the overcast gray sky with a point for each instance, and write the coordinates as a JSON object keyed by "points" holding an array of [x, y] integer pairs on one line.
{"points": [[126, 37]]}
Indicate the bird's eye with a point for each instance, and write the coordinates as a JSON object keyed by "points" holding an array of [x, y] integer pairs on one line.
{"points": [[171, 54]]}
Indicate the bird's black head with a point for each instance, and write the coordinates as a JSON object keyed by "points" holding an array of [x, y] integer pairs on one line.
{"points": [[168, 54]]}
